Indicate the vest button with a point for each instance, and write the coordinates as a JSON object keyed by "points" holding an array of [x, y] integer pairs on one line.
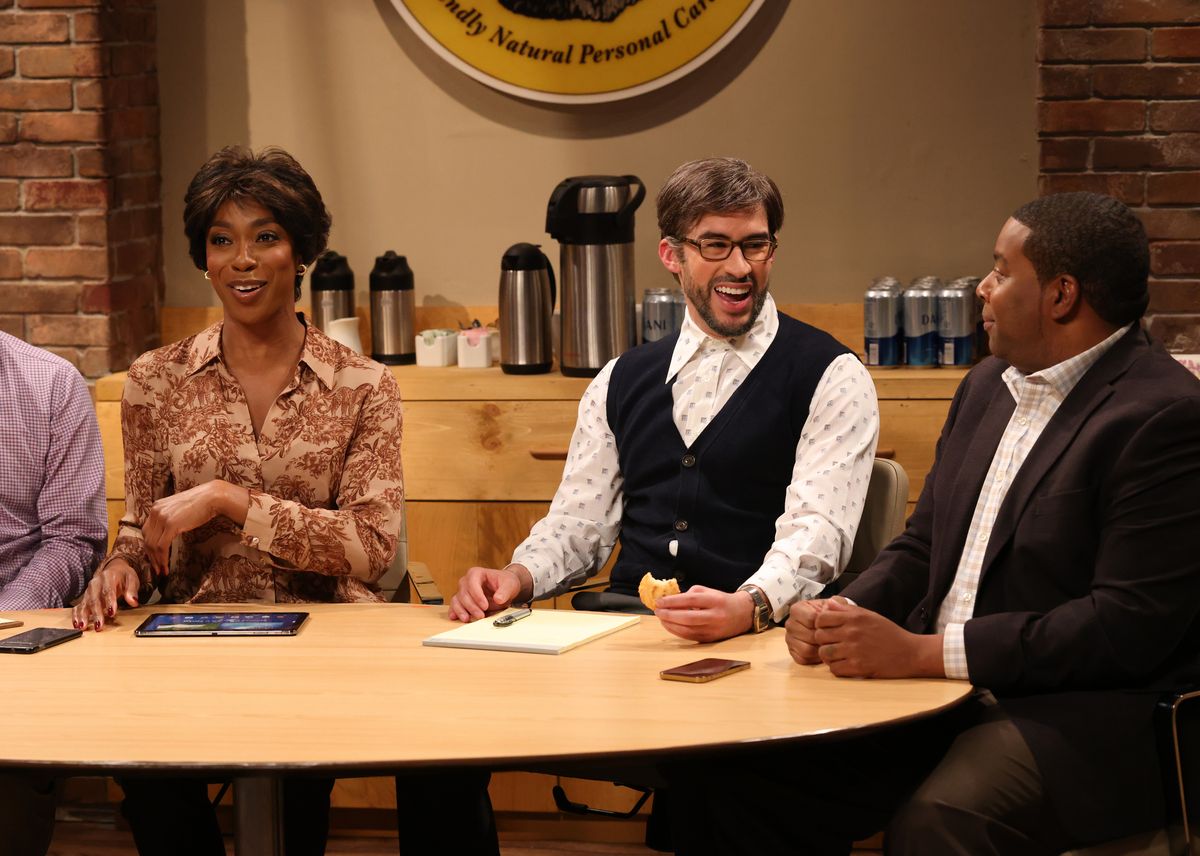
{"points": [[689, 460], [681, 526]]}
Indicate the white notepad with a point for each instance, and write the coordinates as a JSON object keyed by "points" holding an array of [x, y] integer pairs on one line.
{"points": [[546, 631]]}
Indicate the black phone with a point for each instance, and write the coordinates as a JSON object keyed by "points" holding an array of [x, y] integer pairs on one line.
{"points": [[37, 639]]}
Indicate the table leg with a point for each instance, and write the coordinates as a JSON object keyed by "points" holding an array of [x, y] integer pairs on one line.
{"points": [[258, 816]]}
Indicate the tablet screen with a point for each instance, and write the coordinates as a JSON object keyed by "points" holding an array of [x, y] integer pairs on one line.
{"points": [[222, 624]]}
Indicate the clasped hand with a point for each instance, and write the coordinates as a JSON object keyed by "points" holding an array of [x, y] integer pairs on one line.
{"points": [[856, 642]]}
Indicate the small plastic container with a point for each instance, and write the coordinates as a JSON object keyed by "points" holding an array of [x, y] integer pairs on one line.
{"points": [[475, 348], [437, 348]]}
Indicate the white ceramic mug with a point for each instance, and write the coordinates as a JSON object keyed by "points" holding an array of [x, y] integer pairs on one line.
{"points": [[345, 330]]}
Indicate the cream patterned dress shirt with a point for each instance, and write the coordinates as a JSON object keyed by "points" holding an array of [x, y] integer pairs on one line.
{"points": [[1038, 397], [814, 535]]}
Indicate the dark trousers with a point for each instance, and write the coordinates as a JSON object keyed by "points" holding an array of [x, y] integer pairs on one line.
{"points": [[445, 812], [27, 802], [173, 817], [961, 783]]}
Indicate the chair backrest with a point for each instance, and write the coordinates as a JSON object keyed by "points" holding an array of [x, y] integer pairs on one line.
{"points": [[882, 518]]}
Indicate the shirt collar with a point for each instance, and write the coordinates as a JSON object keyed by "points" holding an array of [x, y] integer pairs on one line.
{"points": [[318, 350], [749, 347], [1063, 376]]}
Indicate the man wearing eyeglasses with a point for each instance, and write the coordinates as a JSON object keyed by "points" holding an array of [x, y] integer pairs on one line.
{"points": [[733, 457]]}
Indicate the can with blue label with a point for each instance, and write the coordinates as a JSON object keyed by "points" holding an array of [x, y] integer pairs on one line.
{"points": [[921, 322], [956, 325], [981, 339], [883, 323]]}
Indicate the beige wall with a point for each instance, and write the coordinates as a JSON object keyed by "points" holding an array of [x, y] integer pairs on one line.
{"points": [[900, 131]]}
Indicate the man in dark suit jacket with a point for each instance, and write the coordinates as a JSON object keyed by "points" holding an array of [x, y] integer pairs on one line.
{"points": [[1052, 560]]}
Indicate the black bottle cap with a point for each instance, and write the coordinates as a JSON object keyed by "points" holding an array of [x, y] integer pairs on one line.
{"points": [[524, 257], [332, 273], [391, 273]]}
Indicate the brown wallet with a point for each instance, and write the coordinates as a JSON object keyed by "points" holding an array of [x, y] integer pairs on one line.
{"points": [[708, 669]]}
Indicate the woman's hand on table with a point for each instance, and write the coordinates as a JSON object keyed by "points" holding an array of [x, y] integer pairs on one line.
{"points": [[116, 580], [182, 512]]}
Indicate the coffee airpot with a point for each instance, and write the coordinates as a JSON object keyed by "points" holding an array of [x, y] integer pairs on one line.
{"points": [[592, 219]]}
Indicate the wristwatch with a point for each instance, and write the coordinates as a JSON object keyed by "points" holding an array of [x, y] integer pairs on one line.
{"points": [[762, 607]]}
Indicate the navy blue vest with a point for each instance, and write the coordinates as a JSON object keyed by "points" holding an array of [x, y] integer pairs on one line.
{"points": [[719, 498]]}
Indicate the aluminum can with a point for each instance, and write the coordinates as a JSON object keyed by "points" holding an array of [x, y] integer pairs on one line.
{"points": [[883, 323], [981, 339], [956, 326], [662, 313], [921, 322]]}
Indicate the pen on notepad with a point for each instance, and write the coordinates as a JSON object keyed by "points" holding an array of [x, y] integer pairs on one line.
{"points": [[513, 617]]}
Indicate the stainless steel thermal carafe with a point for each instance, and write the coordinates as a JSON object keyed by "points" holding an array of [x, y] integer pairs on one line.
{"points": [[393, 341], [332, 284], [526, 307], [592, 219]]}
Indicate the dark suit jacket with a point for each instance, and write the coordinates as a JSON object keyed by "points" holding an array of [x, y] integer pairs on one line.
{"points": [[1089, 595]]}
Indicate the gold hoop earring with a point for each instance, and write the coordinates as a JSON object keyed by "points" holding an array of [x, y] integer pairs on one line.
{"points": [[206, 276], [300, 270]]}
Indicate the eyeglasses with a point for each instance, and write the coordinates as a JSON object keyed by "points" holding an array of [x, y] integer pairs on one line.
{"points": [[719, 249]]}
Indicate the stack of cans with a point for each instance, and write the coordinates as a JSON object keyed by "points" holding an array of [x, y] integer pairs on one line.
{"points": [[662, 313], [927, 324]]}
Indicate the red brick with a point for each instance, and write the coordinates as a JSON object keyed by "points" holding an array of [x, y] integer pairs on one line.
{"points": [[8, 62], [132, 224], [1145, 12], [58, 4], [135, 257], [1108, 45], [65, 195], [1176, 43], [27, 229], [133, 123], [96, 298], [136, 190], [94, 362], [1139, 81], [8, 127], [132, 25], [35, 95], [92, 229], [68, 329], [1175, 116], [40, 297], [13, 325], [1069, 154], [25, 160], [10, 264], [73, 61], [1173, 188], [1171, 224], [1179, 333], [63, 127], [1064, 13], [140, 156], [87, 27], [1126, 187], [18, 27], [1176, 258], [1056, 117], [93, 163], [1174, 295], [1176, 150], [129, 59], [10, 195], [82, 263], [89, 94], [1064, 81]]}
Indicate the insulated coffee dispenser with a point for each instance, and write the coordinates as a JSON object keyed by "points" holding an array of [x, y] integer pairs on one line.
{"points": [[526, 306], [332, 284], [393, 342], [592, 219]]}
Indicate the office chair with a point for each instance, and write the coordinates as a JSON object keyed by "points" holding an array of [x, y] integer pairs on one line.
{"points": [[404, 577], [882, 520]]}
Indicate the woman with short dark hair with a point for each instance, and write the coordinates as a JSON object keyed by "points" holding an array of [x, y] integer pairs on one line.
{"points": [[262, 459]]}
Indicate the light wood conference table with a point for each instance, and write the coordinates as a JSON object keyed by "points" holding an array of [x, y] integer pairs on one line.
{"points": [[356, 693]]}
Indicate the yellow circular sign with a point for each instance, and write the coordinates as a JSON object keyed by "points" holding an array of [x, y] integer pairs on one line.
{"points": [[577, 50]]}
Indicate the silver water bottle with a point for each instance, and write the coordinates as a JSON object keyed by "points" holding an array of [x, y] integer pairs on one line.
{"points": [[332, 284], [592, 219], [393, 341]]}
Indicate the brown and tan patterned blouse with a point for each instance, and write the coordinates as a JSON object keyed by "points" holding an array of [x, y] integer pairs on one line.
{"points": [[325, 481]]}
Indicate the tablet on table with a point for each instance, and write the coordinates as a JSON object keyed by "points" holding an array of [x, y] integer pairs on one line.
{"points": [[222, 624]]}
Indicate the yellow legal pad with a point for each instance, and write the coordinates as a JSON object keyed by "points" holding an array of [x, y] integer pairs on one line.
{"points": [[546, 631]]}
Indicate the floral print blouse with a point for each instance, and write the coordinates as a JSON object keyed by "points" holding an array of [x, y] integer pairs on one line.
{"points": [[325, 481]]}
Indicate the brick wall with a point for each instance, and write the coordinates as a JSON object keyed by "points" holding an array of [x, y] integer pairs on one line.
{"points": [[80, 226], [1119, 113]]}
